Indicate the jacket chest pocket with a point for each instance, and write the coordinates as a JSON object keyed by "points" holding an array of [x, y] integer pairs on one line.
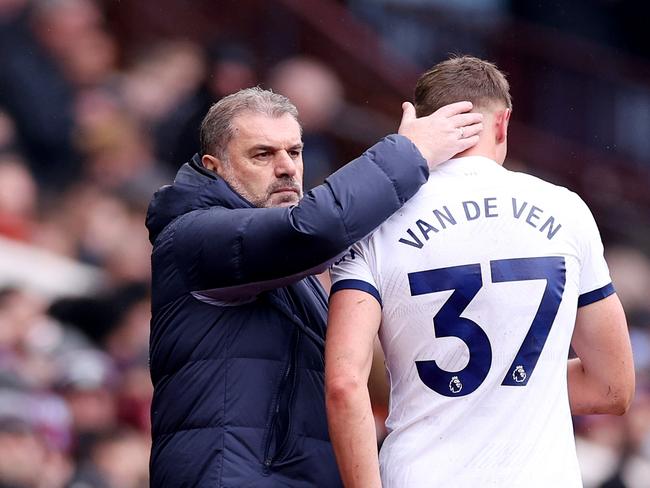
{"points": [[278, 428]]}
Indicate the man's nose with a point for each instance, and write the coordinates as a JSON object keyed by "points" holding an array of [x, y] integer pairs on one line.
{"points": [[285, 165]]}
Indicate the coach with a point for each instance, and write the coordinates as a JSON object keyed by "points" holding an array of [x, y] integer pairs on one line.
{"points": [[238, 322]]}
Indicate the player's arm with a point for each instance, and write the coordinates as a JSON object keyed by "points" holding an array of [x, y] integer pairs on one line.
{"points": [[601, 378], [354, 319]]}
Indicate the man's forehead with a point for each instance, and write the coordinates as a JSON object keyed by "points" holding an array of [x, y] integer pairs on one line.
{"points": [[257, 128]]}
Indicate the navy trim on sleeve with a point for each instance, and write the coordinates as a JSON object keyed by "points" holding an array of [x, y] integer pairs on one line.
{"points": [[356, 285], [595, 295]]}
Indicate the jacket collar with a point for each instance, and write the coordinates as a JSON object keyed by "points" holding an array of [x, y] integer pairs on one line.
{"points": [[194, 188]]}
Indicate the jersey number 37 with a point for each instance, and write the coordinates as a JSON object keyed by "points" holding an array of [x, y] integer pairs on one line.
{"points": [[466, 281]]}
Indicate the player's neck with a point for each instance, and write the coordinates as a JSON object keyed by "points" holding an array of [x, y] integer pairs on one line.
{"points": [[481, 149]]}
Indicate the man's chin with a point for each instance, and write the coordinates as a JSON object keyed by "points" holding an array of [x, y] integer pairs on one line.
{"points": [[283, 199]]}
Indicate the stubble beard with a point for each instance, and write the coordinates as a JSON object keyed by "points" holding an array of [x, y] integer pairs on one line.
{"points": [[266, 200], [286, 199]]}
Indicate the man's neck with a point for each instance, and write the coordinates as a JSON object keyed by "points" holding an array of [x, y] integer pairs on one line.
{"points": [[487, 152]]}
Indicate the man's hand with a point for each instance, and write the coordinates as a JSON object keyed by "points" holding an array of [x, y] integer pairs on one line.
{"points": [[446, 132]]}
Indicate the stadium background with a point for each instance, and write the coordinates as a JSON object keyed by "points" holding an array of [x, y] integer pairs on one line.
{"points": [[99, 105]]}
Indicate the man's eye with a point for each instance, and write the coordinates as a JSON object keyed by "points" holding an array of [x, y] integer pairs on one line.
{"points": [[294, 154], [263, 155]]}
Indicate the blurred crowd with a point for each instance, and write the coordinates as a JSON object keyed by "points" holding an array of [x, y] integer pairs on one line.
{"points": [[87, 133]]}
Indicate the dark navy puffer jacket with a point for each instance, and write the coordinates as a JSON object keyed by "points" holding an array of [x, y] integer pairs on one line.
{"points": [[238, 323]]}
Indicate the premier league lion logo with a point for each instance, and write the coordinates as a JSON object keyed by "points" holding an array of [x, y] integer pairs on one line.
{"points": [[455, 385], [519, 374]]}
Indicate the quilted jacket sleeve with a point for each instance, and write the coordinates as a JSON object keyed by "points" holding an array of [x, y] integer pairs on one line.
{"points": [[240, 252]]}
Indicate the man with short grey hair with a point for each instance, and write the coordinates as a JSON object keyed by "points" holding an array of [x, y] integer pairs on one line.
{"points": [[216, 128], [222, 123], [238, 320]]}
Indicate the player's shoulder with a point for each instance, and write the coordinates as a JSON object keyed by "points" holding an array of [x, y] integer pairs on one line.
{"points": [[527, 181], [535, 181]]}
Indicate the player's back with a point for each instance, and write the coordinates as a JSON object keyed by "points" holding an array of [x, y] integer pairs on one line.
{"points": [[479, 276]]}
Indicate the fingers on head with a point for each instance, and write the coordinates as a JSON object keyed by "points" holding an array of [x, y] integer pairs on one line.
{"points": [[472, 130], [467, 142], [462, 120], [454, 108]]}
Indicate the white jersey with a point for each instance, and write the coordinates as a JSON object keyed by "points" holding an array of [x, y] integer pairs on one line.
{"points": [[480, 276]]}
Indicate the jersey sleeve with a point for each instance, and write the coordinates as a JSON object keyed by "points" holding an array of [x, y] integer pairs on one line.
{"points": [[595, 281], [355, 271]]}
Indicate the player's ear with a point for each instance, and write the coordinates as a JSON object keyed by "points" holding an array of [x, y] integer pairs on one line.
{"points": [[501, 121], [213, 164]]}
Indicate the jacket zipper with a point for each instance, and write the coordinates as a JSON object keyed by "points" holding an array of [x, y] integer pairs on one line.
{"points": [[292, 386], [291, 366]]}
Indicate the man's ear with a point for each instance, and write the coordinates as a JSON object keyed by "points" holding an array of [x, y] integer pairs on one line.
{"points": [[501, 125], [213, 164]]}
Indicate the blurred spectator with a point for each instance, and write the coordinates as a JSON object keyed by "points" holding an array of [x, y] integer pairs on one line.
{"points": [[73, 33], [21, 315], [58, 394], [116, 459], [103, 315], [86, 382], [38, 97], [7, 133], [129, 260], [22, 455], [630, 270], [159, 78], [118, 153], [59, 24], [18, 198], [229, 67], [45, 413], [128, 340], [99, 228]]}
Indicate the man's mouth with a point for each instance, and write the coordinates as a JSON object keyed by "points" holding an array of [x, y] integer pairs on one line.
{"points": [[287, 189]]}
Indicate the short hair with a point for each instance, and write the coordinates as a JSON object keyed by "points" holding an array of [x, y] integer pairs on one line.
{"points": [[216, 127], [461, 78]]}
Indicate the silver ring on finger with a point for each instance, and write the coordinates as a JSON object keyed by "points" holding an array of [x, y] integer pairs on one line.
{"points": [[462, 133]]}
